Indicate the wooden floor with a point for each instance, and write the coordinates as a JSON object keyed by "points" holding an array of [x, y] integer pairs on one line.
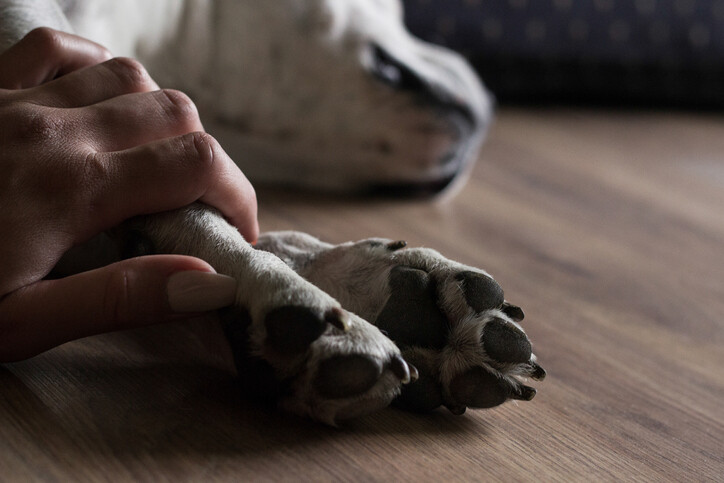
{"points": [[607, 227]]}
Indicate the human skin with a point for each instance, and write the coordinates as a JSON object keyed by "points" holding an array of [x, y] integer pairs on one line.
{"points": [[86, 142]]}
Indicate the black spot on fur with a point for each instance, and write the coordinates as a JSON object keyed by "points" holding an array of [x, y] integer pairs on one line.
{"points": [[481, 292], [411, 316], [346, 376], [504, 342], [292, 328], [255, 375], [396, 245]]}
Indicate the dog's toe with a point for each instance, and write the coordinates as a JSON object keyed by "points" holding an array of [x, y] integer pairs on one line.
{"points": [[324, 363], [346, 376], [478, 388], [481, 292], [503, 342]]}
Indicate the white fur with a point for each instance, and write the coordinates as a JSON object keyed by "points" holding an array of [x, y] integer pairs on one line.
{"points": [[285, 85]]}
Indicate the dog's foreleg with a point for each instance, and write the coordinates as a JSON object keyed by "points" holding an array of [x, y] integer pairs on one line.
{"points": [[290, 339]]}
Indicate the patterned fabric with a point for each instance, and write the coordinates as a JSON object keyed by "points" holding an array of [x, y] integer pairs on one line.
{"points": [[607, 51]]}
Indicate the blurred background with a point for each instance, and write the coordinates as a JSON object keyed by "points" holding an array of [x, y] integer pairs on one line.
{"points": [[667, 53]]}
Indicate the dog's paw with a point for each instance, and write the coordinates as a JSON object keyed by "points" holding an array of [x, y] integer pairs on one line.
{"points": [[315, 360], [293, 344], [451, 321], [454, 324]]}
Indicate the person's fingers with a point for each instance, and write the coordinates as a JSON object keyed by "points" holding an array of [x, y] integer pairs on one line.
{"points": [[135, 119], [44, 54], [133, 293], [114, 77], [165, 175]]}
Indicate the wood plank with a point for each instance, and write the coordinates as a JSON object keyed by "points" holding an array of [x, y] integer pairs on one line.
{"points": [[607, 227]]}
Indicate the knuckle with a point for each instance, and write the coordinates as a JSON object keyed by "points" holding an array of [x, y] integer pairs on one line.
{"points": [[93, 171], [249, 194], [45, 39], [81, 188], [179, 108], [202, 148], [131, 74], [33, 123], [103, 54], [92, 178]]}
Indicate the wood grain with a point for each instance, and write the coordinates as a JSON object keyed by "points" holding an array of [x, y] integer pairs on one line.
{"points": [[607, 227]]}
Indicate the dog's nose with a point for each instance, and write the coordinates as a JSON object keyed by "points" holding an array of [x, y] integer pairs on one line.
{"points": [[396, 74]]}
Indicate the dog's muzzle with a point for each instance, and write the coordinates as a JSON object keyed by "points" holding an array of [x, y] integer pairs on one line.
{"points": [[466, 128]]}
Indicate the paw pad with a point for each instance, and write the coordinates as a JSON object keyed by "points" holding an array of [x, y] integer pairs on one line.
{"points": [[504, 342], [413, 297], [346, 376], [478, 388], [481, 293]]}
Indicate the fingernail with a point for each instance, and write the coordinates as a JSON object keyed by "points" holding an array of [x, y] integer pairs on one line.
{"points": [[194, 291]]}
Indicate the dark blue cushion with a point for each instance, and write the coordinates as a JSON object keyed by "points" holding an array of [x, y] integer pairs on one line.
{"points": [[623, 51]]}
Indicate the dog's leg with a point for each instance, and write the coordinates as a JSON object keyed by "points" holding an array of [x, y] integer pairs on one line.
{"points": [[449, 319], [292, 342]]}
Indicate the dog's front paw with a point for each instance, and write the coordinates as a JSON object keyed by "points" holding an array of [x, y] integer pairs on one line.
{"points": [[451, 321], [469, 347], [316, 361]]}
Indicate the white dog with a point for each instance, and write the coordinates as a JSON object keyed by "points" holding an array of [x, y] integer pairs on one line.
{"points": [[335, 95]]}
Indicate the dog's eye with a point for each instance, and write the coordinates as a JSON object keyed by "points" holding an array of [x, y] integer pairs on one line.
{"points": [[393, 72]]}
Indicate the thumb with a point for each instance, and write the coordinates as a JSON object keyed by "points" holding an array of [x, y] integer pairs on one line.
{"points": [[132, 293]]}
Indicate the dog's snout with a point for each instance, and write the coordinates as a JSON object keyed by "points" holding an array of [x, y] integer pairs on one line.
{"points": [[456, 120], [396, 74]]}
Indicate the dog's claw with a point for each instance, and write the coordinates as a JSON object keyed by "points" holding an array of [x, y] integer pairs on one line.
{"points": [[400, 368], [525, 394], [338, 318], [414, 373], [396, 245], [538, 372], [513, 311]]}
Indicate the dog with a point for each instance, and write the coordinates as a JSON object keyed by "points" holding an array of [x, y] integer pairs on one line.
{"points": [[328, 95]]}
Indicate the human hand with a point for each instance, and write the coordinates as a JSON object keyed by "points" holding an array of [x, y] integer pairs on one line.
{"points": [[86, 142]]}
